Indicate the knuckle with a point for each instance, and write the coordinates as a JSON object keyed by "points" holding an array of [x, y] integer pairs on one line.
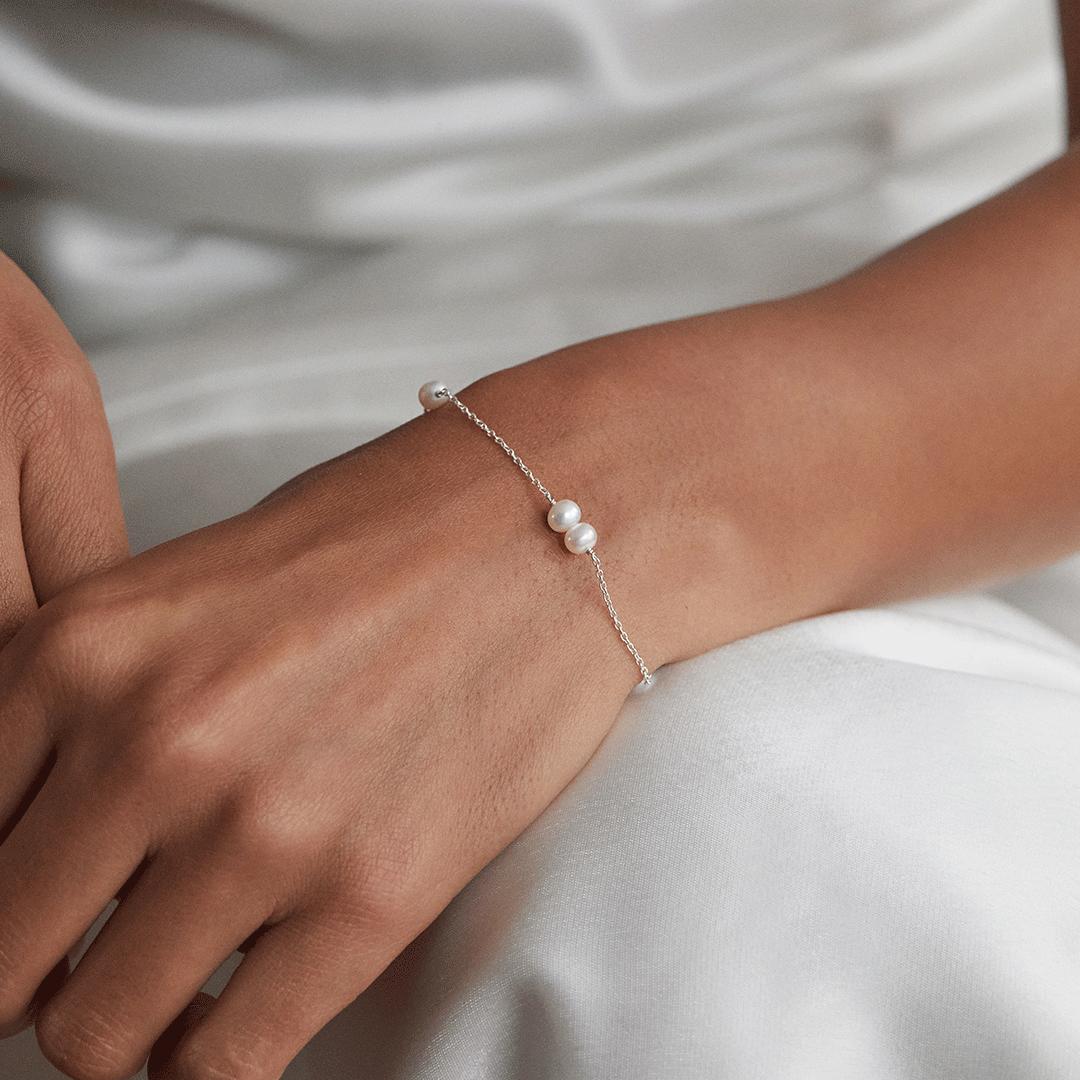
{"points": [[388, 877], [86, 1044], [381, 890], [168, 749], [146, 722], [274, 827], [64, 637], [44, 384], [67, 626]]}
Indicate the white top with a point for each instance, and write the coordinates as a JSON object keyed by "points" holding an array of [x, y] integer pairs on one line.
{"points": [[187, 157]]}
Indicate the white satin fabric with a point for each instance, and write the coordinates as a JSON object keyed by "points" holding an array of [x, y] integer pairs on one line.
{"points": [[845, 848]]}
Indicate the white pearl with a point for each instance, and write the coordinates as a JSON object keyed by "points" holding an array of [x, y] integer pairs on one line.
{"points": [[564, 514], [430, 395], [580, 538]]}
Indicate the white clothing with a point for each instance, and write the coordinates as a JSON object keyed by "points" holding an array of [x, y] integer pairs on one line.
{"points": [[844, 848]]}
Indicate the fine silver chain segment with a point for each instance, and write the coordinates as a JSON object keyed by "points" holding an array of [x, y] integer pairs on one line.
{"points": [[564, 515]]}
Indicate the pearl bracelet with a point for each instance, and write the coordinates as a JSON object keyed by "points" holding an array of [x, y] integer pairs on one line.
{"points": [[564, 515]]}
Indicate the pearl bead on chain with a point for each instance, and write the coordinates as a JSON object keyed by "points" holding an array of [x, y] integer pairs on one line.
{"points": [[433, 394], [564, 516]]}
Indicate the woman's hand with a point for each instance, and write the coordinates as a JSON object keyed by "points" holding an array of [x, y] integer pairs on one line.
{"points": [[312, 723], [60, 513], [307, 727]]}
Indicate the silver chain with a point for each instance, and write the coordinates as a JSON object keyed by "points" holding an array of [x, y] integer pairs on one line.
{"points": [[511, 454], [646, 675]]}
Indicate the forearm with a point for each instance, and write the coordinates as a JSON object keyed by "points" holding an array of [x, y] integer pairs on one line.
{"points": [[976, 326], [910, 428]]}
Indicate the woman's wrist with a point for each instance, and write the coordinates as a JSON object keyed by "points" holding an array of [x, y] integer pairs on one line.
{"points": [[678, 448], [905, 430], [909, 429]]}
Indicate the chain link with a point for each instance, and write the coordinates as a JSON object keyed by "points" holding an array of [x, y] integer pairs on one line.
{"points": [[511, 454], [646, 675]]}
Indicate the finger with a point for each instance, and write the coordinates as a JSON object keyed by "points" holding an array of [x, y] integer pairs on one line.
{"points": [[53, 981], [26, 736], [55, 434], [29, 796], [17, 599], [295, 979], [72, 523], [62, 864], [199, 1008], [185, 916]]}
